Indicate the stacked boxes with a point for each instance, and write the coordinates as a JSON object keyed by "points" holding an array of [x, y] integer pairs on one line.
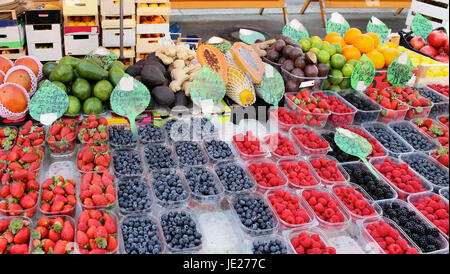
{"points": [[43, 31], [110, 19], [12, 36], [152, 25], [81, 26]]}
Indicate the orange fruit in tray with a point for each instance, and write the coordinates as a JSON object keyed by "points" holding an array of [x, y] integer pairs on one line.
{"points": [[364, 43], [377, 58], [5, 64], [29, 63], [351, 34], [351, 52], [13, 98], [20, 77], [333, 38], [375, 38], [389, 55]]}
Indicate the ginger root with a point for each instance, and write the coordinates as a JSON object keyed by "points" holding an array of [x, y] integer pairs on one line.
{"points": [[261, 47]]}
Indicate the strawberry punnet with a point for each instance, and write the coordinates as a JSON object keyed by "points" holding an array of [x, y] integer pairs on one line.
{"points": [[441, 154], [434, 130], [93, 130], [30, 135], [53, 235], [94, 158], [7, 137], [97, 190], [58, 196], [96, 232], [311, 111], [14, 236], [61, 136]]}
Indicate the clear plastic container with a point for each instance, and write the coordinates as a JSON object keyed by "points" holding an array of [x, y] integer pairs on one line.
{"points": [[362, 116], [114, 145], [324, 181], [402, 194], [69, 212], [418, 132], [316, 120], [133, 151], [95, 165], [388, 115], [434, 122], [244, 171], [252, 232], [438, 119], [247, 157], [14, 130], [261, 188], [303, 147], [206, 199], [65, 218], [276, 123], [182, 162], [336, 84], [444, 192], [407, 157], [172, 250], [109, 206], [444, 243], [200, 131], [382, 180], [97, 142], [322, 223], [367, 239], [144, 142], [303, 205], [356, 217], [25, 220], [310, 169], [438, 107], [273, 147], [367, 126], [418, 112], [172, 156], [266, 239], [186, 133], [312, 230], [171, 204], [211, 158], [142, 216], [144, 182], [338, 119], [298, 80]]}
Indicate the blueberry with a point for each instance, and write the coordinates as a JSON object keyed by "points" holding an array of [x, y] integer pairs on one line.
{"points": [[190, 153], [142, 245], [127, 162], [177, 235], [159, 156], [134, 195], [201, 181], [336, 152], [417, 141], [444, 192], [203, 127], [387, 139], [178, 130], [266, 247], [440, 105], [218, 150], [432, 172], [233, 177], [150, 134], [251, 210], [168, 186], [119, 137]]}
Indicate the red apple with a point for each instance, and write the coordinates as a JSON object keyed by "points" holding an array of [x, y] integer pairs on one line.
{"points": [[437, 38], [417, 42], [429, 50], [442, 58]]}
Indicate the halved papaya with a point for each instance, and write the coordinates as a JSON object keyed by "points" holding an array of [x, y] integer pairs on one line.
{"points": [[211, 57], [13, 98], [248, 61], [30, 62], [5, 64]]}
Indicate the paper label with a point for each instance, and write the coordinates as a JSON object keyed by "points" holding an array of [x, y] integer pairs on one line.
{"points": [[48, 118], [400, 70], [421, 26], [337, 23], [305, 84], [126, 84], [295, 30], [207, 84], [364, 72], [207, 106], [48, 99], [268, 70], [272, 85], [295, 24], [378, 27]]}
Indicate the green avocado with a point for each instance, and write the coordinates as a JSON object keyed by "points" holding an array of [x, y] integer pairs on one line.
{"points": [[103, 90], [164, 96], [81, 89], [48, 68], [62, 73], [89, 70], [69, 60], [92, 105], [117, 64], [115, 74], [60, 85]]}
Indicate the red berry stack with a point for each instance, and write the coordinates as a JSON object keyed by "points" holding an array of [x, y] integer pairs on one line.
{"points": [[311, 243], [266, 174], [341, 114], [299, 173], [286, 119], [281, 146], [354, 201], [288, 208], [248, 145], [434, 208], [327, 170], [324, 206], [309, 142]]}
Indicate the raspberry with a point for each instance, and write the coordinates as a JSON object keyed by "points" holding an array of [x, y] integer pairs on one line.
{"points": [[326, 209], [436, 210], [385, 236], [327, 170], [280, 145], [306, 243], [266, 174], [309, 142], [248, 144]]}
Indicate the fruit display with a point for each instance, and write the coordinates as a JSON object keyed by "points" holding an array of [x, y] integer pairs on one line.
{"points": [[299, 174], [180, 231], [431, 171], [325, 207], [412, 136], [121, 137], [127, 163], [288, 208], [377, 148], [281, 146], [354, 201], [434, 208], [15, 235], [342, 113], [434, 130], [388, 138], [327, 169], [267, 247], [96, 232], [202, 183], [266, 174], [150, 134], [58, 196], [440, 102], [169, 187], [53, 235], [159, 156], [244, 205], [285, 119], [190, 153], [335, 151], [441, 155], [443, 119], [94, 158], [218, 150], [310, 243], [61, 136], [248, 145], [92, 130], [97, 191], [8, 136], [31, 135], [312, 112], [309, 142], [132, 226], [435, 46], [133, 196], [366, 110], [80, 21], [233, 177]]}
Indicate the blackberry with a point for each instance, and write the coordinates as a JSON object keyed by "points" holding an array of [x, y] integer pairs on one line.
{"points": [[363, 104]]}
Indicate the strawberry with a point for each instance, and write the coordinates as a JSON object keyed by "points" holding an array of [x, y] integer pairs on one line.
{"points": [[43, 232], [98, 251], [3, 244], [17, 189], [22, 236], [69, 189], [27, 201], [53, 235], [60, 247], [18, 249], [57, 207], [82, 238], [44, 221], [47, 195], [100, 232], [112, 244], [3, 225], [48, 245]]}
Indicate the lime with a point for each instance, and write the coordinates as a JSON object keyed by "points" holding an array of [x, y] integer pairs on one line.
{"points": [[315, 50], [329, 65], [329, 48], [338, 61], [336, 76], [74, 106], [335, 88], [347, 70], [60, 85], [326, 84], [92, 105], [317, 41], [306, 44], [317, 44], [338, 47], [353, 62], [345, 84], [323, 56], [103, 90]]}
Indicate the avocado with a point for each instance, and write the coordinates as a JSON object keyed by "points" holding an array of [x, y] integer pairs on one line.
{"points": [[164, 96], [134, 70], [181, 99], [89, 70], [114, 75], [139, 78], [81, 89], [61, 85], [117, 64], [69, 60], [62, 73], [152, 75], [48, 68]]}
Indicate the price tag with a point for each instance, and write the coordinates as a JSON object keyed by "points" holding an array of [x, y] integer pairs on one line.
{"points": [[305, 84], [400, 70], [295, 24], [295, 30], [48, 118], [272, 85], [207, 84], [126, 83], [363, 74], [337, 23], [207, 106], [48, 103], [250, 36], [378, 27], [268, 70], [421, 26]]}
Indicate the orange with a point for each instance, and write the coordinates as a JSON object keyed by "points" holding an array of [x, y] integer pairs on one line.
{"points": [[364, 43], [377, 58], [351, 34], [375, 37], [351, 52], [334, 37], [389, 55], [5, 64], [2, 76]]}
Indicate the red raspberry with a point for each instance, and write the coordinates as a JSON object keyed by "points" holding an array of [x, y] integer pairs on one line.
{"points": [[436, 210], [354, 201], [248, 143], [281, 145], [328, 211], [309, 142], [298, 173], [266, 174], [327, 169], [385, 236], [306, 243]]}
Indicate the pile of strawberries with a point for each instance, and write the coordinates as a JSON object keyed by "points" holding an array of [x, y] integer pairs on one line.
{"points": [[97, 190], [288, 208], [96, 232], [58, 196], [400, 175], [324, 206], [434, 130], [441, 155], [327, 169], [388, 238], [266, 174], [30, 135], [93, 130], [7, 137], [53, 235], [444, 120], [311, 244], [61, 136], [436, 210], [336, 106], [309, 142], [377, 149], [280, 145], [440, 88], [28, 158], [248, 144], [14, 236], [94, 158], [311, 111], [354, 201], [298, 173], [287, 118]]}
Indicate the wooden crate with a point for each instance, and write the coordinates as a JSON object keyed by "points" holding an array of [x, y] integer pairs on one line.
{"points": [[153, 10], [113, 22], [112, 7], [146, 45], [36, 4], [13, 54], [80, 7], [88, 29], [80, 43], [439, 14], [129, 53], [422, 80]]}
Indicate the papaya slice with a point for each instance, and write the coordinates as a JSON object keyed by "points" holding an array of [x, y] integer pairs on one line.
{"points": [[211, 57], [248, 60]]}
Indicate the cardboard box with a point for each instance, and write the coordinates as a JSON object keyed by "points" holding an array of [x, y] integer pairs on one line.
{"points": [[153, 10], [80, 7], [44, 41], [112, 7], [12, 37], [146, 45], [111, 37], [80, 43]]}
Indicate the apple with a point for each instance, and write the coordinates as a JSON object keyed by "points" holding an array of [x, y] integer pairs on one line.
{"points": [[429, 50], [437, 38], [417, 42]]}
